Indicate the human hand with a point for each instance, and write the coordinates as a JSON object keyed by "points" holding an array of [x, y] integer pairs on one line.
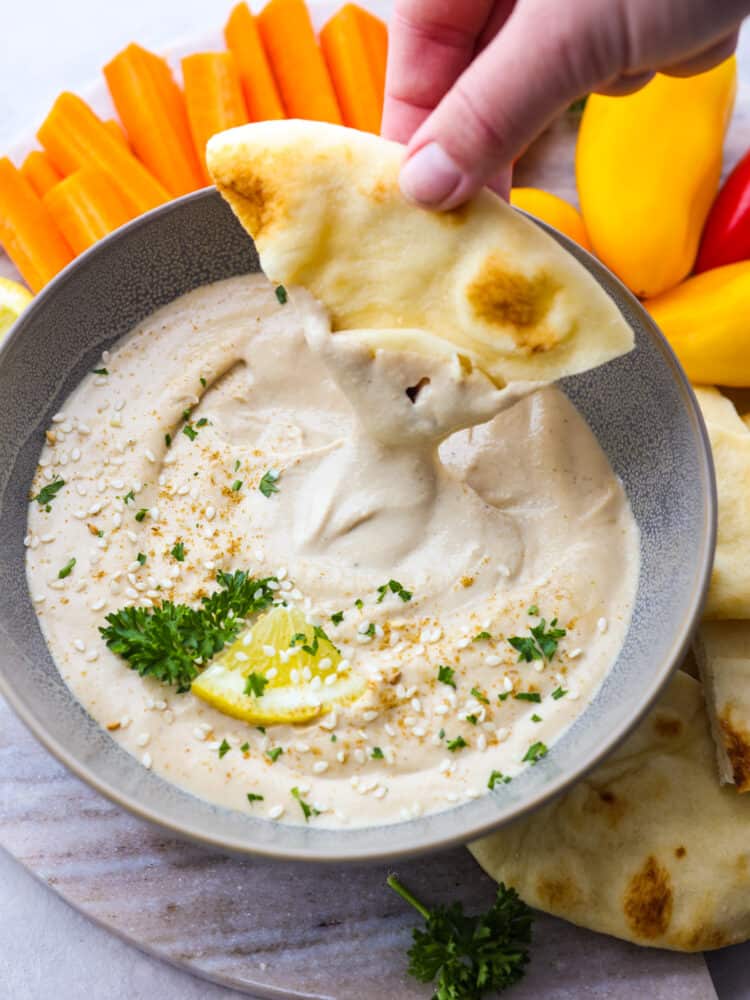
{"points": [[470, 84]]}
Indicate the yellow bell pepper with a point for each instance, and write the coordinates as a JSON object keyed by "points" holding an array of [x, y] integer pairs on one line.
{"points": [[707, 322], [551, 209], [648, 167]]}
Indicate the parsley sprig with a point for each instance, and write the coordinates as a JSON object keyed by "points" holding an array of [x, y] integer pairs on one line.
{"points": [[171, 642], [541, 644], [47, 493], [468, 956]]}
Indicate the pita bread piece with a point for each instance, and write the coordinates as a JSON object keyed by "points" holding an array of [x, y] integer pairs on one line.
{"points": [[722, 650], [322, 203], [729, 594], [648, 848]]}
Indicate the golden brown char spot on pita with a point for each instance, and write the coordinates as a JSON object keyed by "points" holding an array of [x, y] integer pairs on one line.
{"points": [[606, 803], [737, 747], [558, 893], [680, 852], [648, 900], [703, 938], [509, 299], [667, 726], [253, 199]]}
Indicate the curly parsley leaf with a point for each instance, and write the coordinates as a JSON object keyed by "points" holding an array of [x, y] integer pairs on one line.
{"points": [[306, 808], [457, 744], [535, 753], [446, 676], [255, 684], [468, 956], [67, 568], [171, 642], [282, 295], [267, 485], [274, 754], [47, 493], [541, 644]]}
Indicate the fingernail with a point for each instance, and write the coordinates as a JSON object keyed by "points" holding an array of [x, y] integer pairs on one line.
{"points": [[430, 176]]}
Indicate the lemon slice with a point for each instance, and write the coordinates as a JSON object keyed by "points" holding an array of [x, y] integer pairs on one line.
{"points": [[13, 300], [283, 669]]}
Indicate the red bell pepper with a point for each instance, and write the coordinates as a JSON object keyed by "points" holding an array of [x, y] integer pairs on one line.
{"points": [[726, 236]]}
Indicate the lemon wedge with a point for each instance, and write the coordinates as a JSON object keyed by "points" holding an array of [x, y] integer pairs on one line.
{"points": [[282, 670], [13, 300]]}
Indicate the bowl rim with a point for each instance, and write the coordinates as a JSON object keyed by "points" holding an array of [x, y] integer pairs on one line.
{"points": [[679, 646]]}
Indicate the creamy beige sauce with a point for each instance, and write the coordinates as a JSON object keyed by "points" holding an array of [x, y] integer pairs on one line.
{"points": [[483, 503]]}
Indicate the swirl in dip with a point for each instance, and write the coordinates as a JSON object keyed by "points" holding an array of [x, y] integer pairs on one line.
{"points": [[493, 509]]}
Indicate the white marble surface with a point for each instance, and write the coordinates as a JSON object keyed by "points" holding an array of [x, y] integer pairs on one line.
{"points": [[48, 949]]}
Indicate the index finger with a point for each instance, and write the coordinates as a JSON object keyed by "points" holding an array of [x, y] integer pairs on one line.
{"points": [[431, 42]]}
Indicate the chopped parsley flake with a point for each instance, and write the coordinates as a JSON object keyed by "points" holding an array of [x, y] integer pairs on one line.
{"points": [[255, 684], [558, 694], [536, 718], [274, 754], [445, 676], [528, 696], [497, 777], [203, 382], [101, 371], [202, 422], [167, 439], [395, 588], [359, 603], [473, 719], [130, 495], [457, 744], [140, 514], [307, 809], [441, 734], [370, 630], [252, 797], [261, 729], [533, 610], [67, 569], [236, 485], [186, 414], [535, 752], [47, 493], [178, 551], [224, 749], [503, 696], [189, 431], [267, 485], [281, 295], [334, 737], [236, 465], [245, 747], [141, 558], [337, 617], [541, 644], [479, 696], [377, 753], [481, 637], [297, 638]]}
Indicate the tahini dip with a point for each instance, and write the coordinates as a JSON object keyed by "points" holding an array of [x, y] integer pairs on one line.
{"points": [[494, 508]]}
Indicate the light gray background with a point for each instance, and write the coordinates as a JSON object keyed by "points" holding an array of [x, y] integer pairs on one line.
{"points": [[47, 949]]}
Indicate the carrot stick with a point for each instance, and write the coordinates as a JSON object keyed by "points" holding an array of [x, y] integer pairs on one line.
{"points": [[375, 33], [117, 131], [152, 108], [345, 50], [74, 137], [297, 62], [40, 172], [244, 42], [28, 233], [213, 93], [86, 206]]}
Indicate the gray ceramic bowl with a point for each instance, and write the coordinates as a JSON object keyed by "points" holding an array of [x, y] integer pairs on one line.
{"points": [[640, 407]]}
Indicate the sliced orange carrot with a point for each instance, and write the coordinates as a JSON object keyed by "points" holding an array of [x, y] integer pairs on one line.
{"points": [[152, 108], [28, 233], [74, 137], [375, 34], [40, 171], [87, 206], [117, 131], [297, 62], [213, 93], [244, 42], [345, 50]]}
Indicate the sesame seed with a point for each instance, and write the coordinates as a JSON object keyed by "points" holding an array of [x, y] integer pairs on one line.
{"points": [[574, 654], [463, 643], [48, 538], [301, 747], [75, 455], [493, 660], [98, 604], [149, 455], [507, 683], [602, 625], [341, 756], [481, 742], [143, 740], [316, 683], [84, 429], [329, 722], [502, 734], [81, 489], [330, 679], [200, 734], [39, 598], [370, 715], [503, 570], [80, 645], [445, 766], [320, 767], [275, 812], [418, 731], [269, 650], [359, 755], [131, 592], [270, 674]]}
